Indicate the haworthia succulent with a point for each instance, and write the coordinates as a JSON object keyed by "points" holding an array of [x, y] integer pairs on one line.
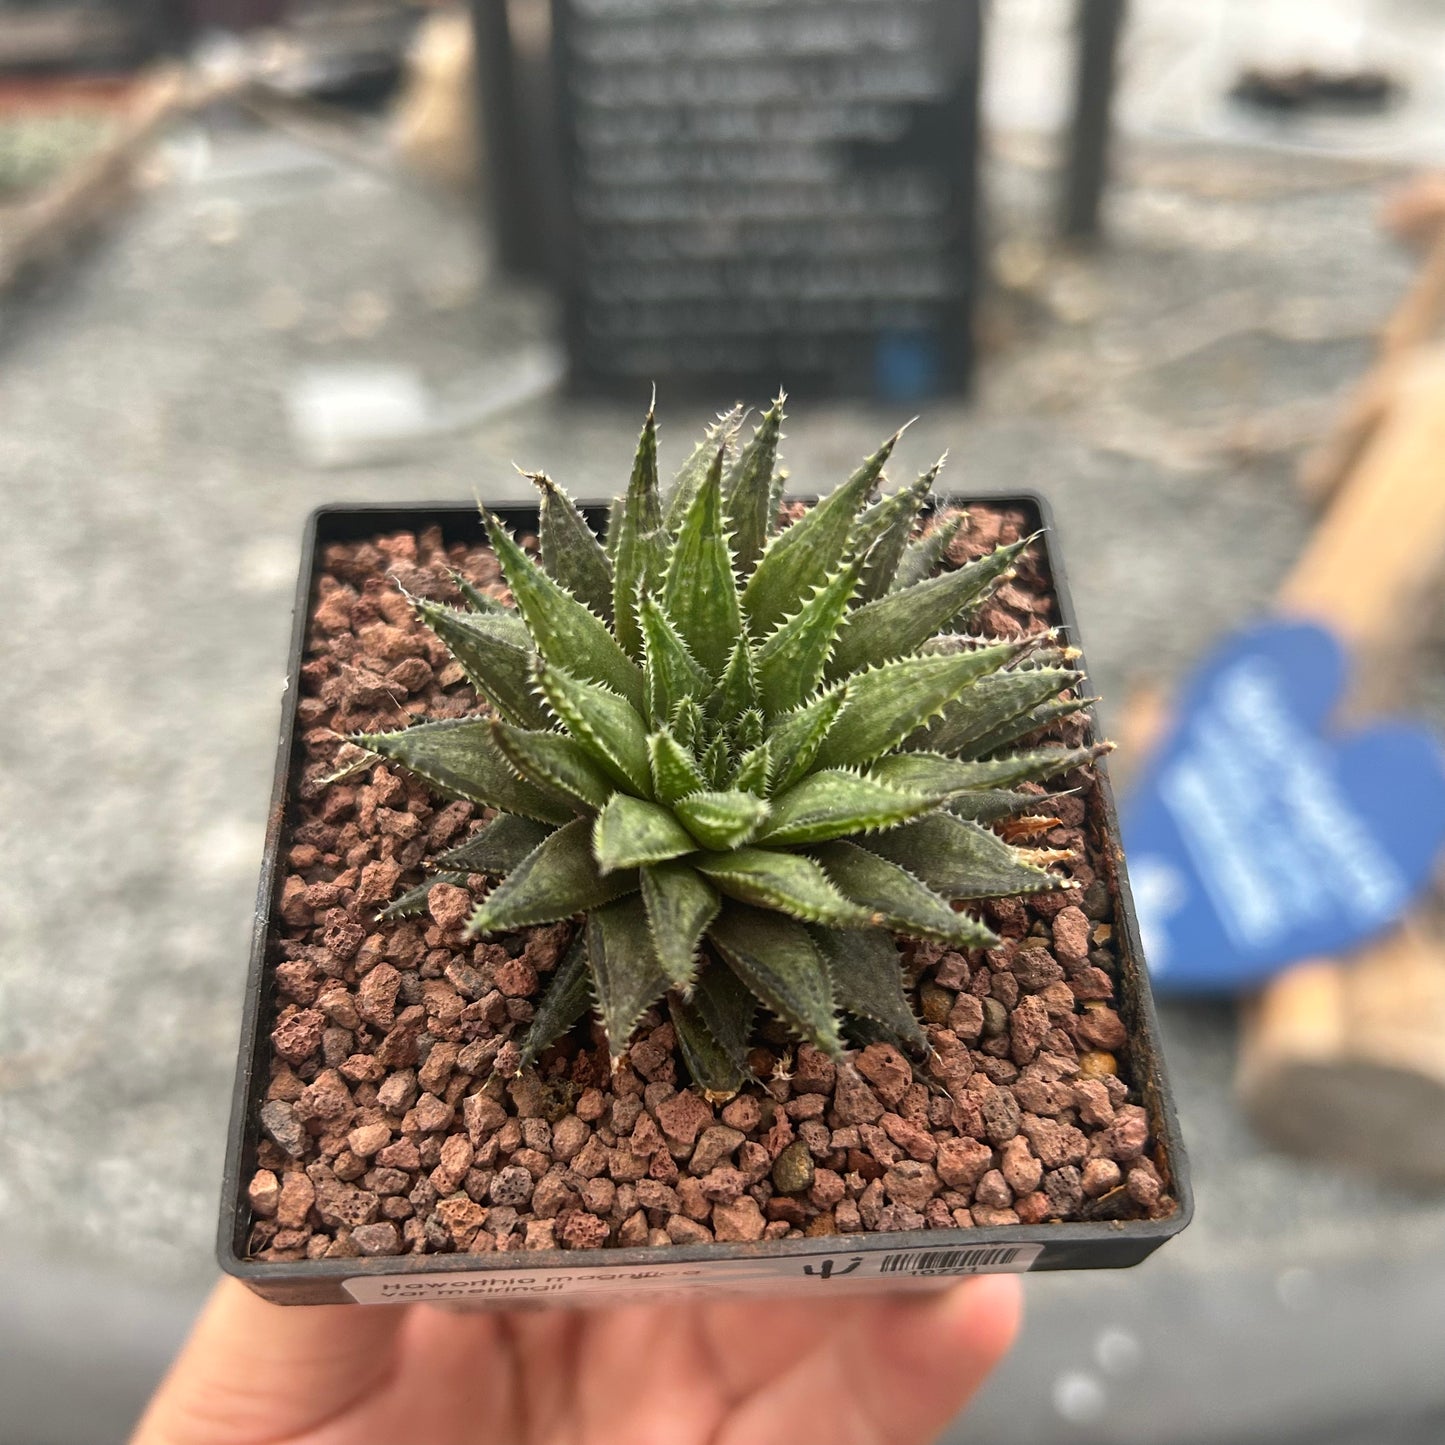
{"points": [[564, 630], [557, 879], [721, 820], [886, 704], [556, 761], [791, 662], [700, 594], [883, 537], [748, 488], [570, 549], [680, 904], [495, 651], [989, 706], [744, 755], [959, 859], [496, 847], [718, 437], [459, 758], [803, 556], [788, 882], [773, 955], [604, 724], [672, 674], [568, 997], [630, 832], [626, 976], [902, 621], [922, 558], [796, 736], [835, 803], [641, 546], [866, 971], [898, 898]]}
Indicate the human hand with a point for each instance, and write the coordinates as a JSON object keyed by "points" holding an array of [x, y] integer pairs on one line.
{"points": [[849, 1371]]}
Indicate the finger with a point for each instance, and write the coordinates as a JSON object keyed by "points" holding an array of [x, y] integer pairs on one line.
{"points": [[897, 1372], [749, 1344], [256, 1371]]}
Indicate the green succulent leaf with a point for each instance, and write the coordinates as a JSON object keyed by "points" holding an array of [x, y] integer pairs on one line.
{"points": [[630, 832], [568, 997], [866, 971], [672, 674], [675, 772], [721, 820], [930, 772], [1024, 726], [613, 529], [902, 901], [680, 905], [836, 804], [961, 860], [990, 704], [923, 557], [713, 1069], [989, 805], [728, 1010], [473, 596], [570, 549], [458, 757], [700, 594], [720, 436], [802, 557], [557, 879], [641, 551], [902, 621], [737, 693], [565, 631], [687, 724], [554, 760], [787, 882], [790, 663], [495, 651], [606, 726], [753, 770], [778, 961], [715, 760], [887, 703], [414, 901], [713, 1029], [626, 975], [748, 731], [748, 488], [796, 737], [884, 530], [496, 847]]}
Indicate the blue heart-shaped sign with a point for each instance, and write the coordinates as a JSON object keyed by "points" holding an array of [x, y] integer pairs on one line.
{"points": [[1257, 837]]}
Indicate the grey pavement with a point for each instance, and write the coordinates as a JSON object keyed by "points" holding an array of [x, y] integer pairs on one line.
{"points": [[154, 492]]}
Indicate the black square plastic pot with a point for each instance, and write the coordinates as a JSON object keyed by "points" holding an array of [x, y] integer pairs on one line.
{"points": [[565, 1277]]}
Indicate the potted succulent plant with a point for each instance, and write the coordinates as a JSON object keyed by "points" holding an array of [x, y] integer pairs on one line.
{"points": [[773, 956]]}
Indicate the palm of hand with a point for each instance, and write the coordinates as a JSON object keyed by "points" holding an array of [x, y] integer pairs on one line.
{"points": [[849, 1371]]}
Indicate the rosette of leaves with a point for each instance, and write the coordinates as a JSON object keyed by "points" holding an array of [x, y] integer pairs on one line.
{"points": [[747, 755]]}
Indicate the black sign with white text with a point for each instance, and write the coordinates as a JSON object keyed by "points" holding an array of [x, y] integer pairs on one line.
{"points": [[769, 191]]}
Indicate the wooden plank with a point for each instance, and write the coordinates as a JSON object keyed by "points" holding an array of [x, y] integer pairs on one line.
{"points": [[1345, 1059]]}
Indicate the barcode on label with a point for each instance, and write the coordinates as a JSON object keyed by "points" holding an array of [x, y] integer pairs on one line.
{"points": [[950, 1261]]}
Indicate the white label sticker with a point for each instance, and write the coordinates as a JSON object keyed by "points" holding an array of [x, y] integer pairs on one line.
{"points": [[603, 1284]]}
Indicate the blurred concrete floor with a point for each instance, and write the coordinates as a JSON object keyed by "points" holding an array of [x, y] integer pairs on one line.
{"points": [[153, 495]]}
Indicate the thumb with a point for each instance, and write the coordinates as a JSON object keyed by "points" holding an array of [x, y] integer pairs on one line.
{"points": [[256, 1371]]}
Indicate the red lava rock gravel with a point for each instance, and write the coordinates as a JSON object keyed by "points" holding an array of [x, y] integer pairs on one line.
{"points": [[387, 1126]]}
